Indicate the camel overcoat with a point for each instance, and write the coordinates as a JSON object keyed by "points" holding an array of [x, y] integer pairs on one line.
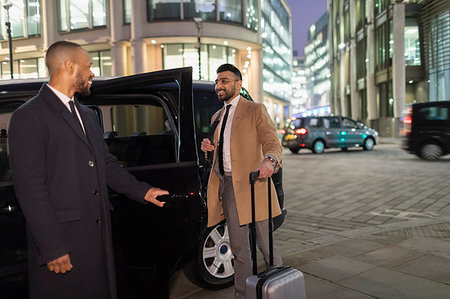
{"points": [[61, 176], [253, 136]]}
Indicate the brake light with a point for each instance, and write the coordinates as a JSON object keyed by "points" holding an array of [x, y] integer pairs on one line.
{"points": [[407, 122], [407, 119], [301, 131], [282, 131]]}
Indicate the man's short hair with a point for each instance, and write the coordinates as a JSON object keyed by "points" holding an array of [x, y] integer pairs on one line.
{"points": [[229, 67], [57, 47]]}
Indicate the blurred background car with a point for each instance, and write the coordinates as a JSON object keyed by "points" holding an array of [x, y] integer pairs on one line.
{"points": [[317, 133], [426, 129]]}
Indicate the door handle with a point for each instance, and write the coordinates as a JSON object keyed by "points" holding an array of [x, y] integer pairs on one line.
{"points": [[9, 209]]}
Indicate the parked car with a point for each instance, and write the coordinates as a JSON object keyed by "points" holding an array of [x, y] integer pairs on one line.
{"points": [[427, 129], [153, 123], [320, 132]]}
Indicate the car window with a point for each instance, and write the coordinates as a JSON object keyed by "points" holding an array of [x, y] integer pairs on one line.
{"points": [[433, 113], [139, 135], [206, 104], [331, 122], [314, 122], [348, 123], [5, 169], [297, 123]]}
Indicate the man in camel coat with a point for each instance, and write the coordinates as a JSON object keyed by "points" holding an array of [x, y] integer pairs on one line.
{"points": [[245, 140]]}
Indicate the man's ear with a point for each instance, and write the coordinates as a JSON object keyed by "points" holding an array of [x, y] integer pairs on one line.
{"points": [[69, 66]]}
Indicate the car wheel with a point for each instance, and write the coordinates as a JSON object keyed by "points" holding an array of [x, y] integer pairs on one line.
{"points": [[369, 144], [294, 150], [212, 265], [430, 151], [318, 147]]}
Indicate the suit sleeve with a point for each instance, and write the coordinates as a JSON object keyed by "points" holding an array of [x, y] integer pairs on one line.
{"points": [[27, 143], [267, 134]]}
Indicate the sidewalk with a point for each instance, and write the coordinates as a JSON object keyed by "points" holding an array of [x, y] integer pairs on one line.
{"points": [[410, 259]]}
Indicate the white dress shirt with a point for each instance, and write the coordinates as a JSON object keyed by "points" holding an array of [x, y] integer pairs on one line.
{"points": [[65, 100], [227, 133]]}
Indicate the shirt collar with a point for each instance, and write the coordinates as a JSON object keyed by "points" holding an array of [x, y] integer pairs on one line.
{"points": [[234, 101], [65, 99]]}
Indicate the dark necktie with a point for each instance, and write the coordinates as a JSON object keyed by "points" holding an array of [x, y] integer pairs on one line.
{"points": [[222, 130], [74, 113]]}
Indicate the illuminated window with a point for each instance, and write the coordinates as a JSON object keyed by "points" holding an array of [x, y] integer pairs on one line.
{"points": [[230, 10], [101, 63], [126, 11], [412, 43], [81, 14], [252, 14], [24, 68]]}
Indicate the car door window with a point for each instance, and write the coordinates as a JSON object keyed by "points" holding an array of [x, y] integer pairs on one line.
{"points": [[434, 113], [348, 123], [314, 122], [140, 134]]}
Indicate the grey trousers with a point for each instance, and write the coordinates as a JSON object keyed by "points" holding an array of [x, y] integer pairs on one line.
{"points": [[239, 238]]}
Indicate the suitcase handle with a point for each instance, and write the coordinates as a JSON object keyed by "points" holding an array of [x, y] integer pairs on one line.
{"points": [[253, 176]]}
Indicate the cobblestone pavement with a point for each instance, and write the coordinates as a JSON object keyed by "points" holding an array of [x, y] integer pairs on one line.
{"points": [[362, 225], [341, 191]]}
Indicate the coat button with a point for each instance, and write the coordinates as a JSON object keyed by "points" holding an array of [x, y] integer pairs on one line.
{"points": [[91, 163], [98, 220], [95, 192]]}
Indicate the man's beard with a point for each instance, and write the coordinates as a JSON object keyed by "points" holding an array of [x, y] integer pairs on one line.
{"points": [[83, 86]]}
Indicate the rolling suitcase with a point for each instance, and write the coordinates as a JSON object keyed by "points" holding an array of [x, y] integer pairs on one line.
{"points": [[276, 282]]}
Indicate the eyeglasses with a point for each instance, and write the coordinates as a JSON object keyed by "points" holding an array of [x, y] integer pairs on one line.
{"points": [[223, 81]]}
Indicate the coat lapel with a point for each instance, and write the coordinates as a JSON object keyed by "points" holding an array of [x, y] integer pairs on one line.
{"points": [[62, 110], [238, 114]]}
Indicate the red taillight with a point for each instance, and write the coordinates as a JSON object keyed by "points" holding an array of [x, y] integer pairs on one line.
{"points": [[282, 131], [407, 119], [301, 131], [407, 122]]}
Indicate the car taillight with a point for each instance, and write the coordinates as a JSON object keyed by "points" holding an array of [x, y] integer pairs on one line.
{"points": [[282, 131], [301, 131], [407, 122]]}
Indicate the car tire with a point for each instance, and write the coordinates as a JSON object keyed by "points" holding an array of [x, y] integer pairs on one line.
{"points": [[318, 147], [294, 150], [369, 144], [212, 264], [430, 151]]}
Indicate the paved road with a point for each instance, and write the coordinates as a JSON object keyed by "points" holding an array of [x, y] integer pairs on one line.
{"points": [[340, 191], [336, 197]]}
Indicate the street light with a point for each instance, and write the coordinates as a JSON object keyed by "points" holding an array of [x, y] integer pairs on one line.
{"points": [[7, 6], [199, 24]]}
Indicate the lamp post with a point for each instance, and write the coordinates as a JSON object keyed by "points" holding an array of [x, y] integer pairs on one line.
{"points": [[199, 24], [7, 6]]}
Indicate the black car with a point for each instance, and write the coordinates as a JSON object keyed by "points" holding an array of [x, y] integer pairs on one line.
{"points": [[153, 123], [427, 129]]}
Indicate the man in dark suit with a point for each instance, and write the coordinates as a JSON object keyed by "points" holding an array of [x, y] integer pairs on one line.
{"points": [[61, 170]]}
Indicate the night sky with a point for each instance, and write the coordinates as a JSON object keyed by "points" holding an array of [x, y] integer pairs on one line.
{"points": [[304, 14]]}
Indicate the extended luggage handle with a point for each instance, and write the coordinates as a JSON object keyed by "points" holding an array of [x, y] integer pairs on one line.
{"points": [[253, 176]]}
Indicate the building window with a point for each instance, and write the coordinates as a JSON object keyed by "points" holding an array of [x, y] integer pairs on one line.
{"points": [[212, 56], [385, 100], [412, 43], [101, 63], [359, 13], [204, 9], [81, 14], [163, 9], [380, 47], [126, 4], [24, 17], [252, 14], [24, 68], [379, 6], [230, 10]]}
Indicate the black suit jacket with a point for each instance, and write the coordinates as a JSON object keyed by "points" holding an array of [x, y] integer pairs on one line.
{"points": [[61, 177]]}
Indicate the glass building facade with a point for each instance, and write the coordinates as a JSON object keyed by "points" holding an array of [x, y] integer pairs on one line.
{"points": [[277, 48], [24, 16]]}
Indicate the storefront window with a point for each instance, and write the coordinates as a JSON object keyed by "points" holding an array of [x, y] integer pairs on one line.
{"points": [[439, 64], [230, 10], [101, 63], [204, 9], [81, 14], [412, 43], [181, 55]]}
